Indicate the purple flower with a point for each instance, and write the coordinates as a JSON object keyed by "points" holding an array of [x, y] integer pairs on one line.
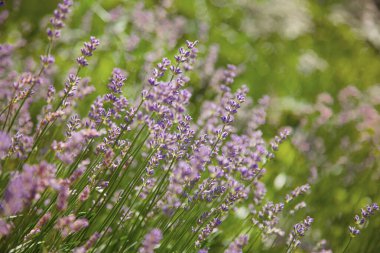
{"points": [[47, 60], [151, 241], [78, 225], [353, 231], [70, 224], [301, 228], [24, 186], [82, 61]]}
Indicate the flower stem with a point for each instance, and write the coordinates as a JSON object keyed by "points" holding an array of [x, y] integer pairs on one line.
{"points": [[348, 244]]}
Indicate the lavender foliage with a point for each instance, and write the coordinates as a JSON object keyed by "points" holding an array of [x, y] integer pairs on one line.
{"points": [[138, 168]]}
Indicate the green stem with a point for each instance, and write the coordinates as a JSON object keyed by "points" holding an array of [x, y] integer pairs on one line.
{"points": [[348, 244]]}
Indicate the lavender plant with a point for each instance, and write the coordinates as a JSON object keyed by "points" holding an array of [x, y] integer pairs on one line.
{"points": [[142, 173]]}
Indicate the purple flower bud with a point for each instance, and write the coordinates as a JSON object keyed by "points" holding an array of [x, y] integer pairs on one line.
{"points": [[82, 61], [152, 81], [353, 231], [224, 135], [217, 222], [299, 229], [358, 220], [308, 221], [47, 60]]}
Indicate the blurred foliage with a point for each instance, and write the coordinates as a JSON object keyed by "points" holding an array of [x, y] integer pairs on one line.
{"points": [[270, 61]]}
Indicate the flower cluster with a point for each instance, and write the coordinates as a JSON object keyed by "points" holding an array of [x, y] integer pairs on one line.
{"points": [[87, 50]]}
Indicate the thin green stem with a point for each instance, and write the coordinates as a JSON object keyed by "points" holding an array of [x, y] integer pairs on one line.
{"points": [[348, 244]]}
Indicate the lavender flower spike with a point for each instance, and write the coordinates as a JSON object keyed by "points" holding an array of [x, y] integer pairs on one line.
{"points": [[299, 231], [366, 213], [87, 50], [57, 21]]}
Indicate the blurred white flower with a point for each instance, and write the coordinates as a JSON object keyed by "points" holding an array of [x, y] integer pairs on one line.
{"points": [[310, 62], [289, 18]]}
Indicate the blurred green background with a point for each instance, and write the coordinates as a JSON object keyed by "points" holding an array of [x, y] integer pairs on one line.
{"points": [[292, 50], [272, 39]]}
